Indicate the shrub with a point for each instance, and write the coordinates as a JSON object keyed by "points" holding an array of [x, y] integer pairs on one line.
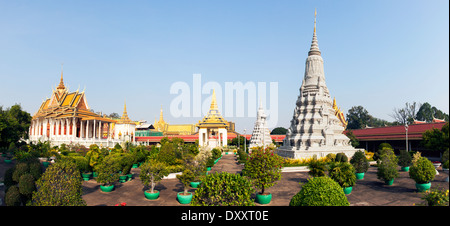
{"points": [[436, 197], [343, 173], [360, 162], [20, 169], [445, 156], [445, 165], [404, 159], [242, 156], [422, 171], [387, 166], [320, 191], [224, 189], [381, 150], [216, 153], [317, 168], [186, 178], [12, 196], [264, 168], [167, 154], [108, 170], [341, 157], [60, 185], [26, 185], [331, 157], [152, 173]]}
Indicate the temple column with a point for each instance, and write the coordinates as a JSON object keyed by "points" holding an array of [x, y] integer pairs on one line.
{"points": [[93, 131], [87, 129], [74, 128], [100, 130]]}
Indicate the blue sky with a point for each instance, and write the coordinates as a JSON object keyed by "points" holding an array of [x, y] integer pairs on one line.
{"points": [[378, 54]]}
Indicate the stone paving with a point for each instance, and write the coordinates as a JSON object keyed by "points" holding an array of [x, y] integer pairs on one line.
{"points": [[367, 192]]}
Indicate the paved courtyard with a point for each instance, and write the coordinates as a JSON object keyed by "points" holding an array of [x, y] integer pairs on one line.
{"points": [[367, 192]]}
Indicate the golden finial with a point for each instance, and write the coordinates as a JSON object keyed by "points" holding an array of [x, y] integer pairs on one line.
{"points": [[315, 14], [61, 82], [214, 101]]}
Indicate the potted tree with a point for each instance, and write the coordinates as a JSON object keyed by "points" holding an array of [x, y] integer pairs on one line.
{"points": [[344, 174], [107, 173], [387, 167], [264, 170], [185, 178], [360, 163], [423, 172], [404, 160], [152, 173]]}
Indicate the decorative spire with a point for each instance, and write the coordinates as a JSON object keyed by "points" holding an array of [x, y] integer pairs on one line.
{"points": [[61, 82], [214, 101], [161, 115], [125, 108], [314, 50]]}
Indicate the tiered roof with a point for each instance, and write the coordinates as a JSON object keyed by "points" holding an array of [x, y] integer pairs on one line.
{"points": [[213, 118], [65, 104]]}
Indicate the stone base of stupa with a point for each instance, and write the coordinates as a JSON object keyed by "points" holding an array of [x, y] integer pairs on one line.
{"points": [[319, 152]]}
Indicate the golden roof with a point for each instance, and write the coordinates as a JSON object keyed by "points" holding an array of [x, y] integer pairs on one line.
{"points": [[339, 114], [63, 104], [125, 119], [213, 118]]}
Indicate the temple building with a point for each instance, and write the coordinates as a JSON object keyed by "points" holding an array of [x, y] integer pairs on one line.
{"points": [[212, 129], [317, 124], [261, 133], [65, 117], [173, 129], [124, 128]]}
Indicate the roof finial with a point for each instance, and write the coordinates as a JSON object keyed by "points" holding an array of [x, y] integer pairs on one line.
{"points": [[315, 14], [61, 82], [314, 50], [214, 101]]}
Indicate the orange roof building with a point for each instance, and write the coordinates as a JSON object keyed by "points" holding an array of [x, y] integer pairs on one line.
{"points": [[65, 117]]}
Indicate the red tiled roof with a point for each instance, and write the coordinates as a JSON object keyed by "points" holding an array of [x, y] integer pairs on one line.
{"points": [[395, 132], [192, 138]]}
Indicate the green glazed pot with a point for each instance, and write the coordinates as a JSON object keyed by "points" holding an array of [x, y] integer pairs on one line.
{"points": [[348, 190], [423, 187], [405, 169], [151, 196], [45, 164], [123, 178], [184, 199], [263, 199], [134, 166], [129, 176], [86, 176], [359, 176], [94, 174], [195, 184], [389, 182], [7, 161], [208, 168], [107, 188]]}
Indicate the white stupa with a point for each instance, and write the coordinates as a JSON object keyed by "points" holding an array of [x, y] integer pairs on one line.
{"points": [[315, 127], [261, 133]]}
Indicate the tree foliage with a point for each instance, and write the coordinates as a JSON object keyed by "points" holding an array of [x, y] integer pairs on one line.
{"points": [[263, 167], [435, 139], [60, 185], [14, 124]]}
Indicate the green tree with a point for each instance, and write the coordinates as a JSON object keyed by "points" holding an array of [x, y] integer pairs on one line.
{"points": [[353, 140], [279, 131], [264, 168], [60, 185], [435, 139], [14, 124], [152, 173], [357, 117], [427, 112]]}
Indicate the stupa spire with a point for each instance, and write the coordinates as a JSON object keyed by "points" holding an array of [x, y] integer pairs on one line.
{"points": [[61, 82], [214, 101], [314, 50]]}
